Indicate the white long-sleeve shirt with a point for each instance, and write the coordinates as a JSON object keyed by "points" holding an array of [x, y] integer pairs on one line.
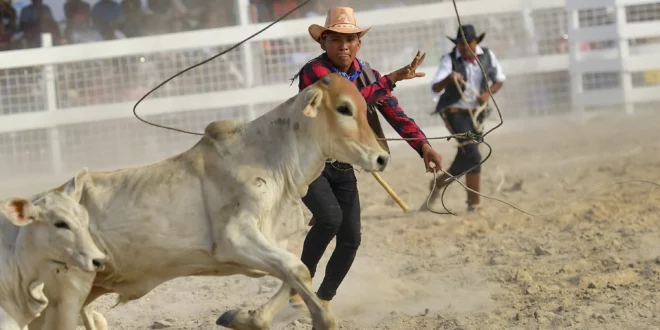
{"points": [[474, 76]]}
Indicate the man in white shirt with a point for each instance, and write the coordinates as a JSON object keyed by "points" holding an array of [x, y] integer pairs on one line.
{"points": [[455, 110]]}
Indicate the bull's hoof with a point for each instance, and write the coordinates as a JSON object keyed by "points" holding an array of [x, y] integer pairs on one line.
{"points": [[227, 319], [242, 319], [328, 322], [328, 328]]}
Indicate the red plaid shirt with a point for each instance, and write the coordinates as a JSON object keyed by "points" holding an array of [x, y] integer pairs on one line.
{"points": [[379, 92]]}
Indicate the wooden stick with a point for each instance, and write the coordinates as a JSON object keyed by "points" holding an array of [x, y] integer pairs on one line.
{"points": [[390, 191]]}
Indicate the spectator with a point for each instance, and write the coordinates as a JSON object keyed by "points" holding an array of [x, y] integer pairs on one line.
{"points": [[35, 19], [216, 16], [107, 18], [281, 7], [7, 24], [159, 20], [178, 25], [76, 10], [134, 18], [82, 32], [260, 11], [320, 8], [191, 13], [178, 13], [160, 7]]}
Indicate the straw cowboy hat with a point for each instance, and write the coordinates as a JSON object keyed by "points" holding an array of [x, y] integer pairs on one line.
{"points": [[340, 20]]}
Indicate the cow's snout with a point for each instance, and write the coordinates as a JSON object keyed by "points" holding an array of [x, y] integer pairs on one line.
{"points": [[98, 264], [382, 161]]}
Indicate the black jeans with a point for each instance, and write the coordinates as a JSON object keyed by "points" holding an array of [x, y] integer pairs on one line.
{"points": [[468, 155], [334, 202]]}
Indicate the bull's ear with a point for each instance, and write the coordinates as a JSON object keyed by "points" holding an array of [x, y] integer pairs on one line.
{"points": [[313, 96], [36, 291], [74, 187], [19, 211]]}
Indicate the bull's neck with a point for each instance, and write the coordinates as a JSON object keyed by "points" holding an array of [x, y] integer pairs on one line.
{"points": [[20, 273], [11, 295], [298, 159]]}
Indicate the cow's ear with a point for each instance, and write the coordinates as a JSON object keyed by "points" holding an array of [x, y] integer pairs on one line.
{"points": [[18, 211], [74, 187], [36, 291], [313, 96]]}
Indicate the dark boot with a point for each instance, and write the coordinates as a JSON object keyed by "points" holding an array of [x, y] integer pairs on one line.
{"points": [[472, 181], [440, 183]]}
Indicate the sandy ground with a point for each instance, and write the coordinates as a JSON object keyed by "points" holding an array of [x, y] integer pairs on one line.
{"points": [[593, 264]]}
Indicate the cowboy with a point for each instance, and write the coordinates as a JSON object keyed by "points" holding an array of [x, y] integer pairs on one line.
{"points": [[333, 197], [456, 106]]}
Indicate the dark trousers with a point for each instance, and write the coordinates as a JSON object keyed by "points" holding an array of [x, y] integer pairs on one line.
{"points": [[334, 202], [468, 155]]}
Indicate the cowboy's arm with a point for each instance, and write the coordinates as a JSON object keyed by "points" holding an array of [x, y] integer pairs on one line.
{"points": [[378, 90], [494, 88], [499, 78], [402, 124], [441, 77]]}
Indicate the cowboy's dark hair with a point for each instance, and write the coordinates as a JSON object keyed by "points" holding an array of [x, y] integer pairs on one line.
{"points": [[323, 36], [321, 39]]}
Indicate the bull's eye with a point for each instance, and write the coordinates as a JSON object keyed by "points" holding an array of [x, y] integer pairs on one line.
{"points": [[62, 225], [344, 110]]}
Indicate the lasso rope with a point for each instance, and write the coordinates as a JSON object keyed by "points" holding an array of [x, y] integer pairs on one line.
{"points": [[202, 63], [467, 135], [472, 137], [478, 110]]}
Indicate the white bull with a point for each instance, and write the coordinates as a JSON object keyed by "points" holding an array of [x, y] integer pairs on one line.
{"points": [[41, 239], [224, 206]]}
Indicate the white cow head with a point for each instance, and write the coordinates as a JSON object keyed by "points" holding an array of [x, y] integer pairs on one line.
{"points": [[340, 125], [56, 226]]}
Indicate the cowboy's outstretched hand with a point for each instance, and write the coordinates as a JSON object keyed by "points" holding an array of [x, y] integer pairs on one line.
{"points": [[408, 71], [431, 156]]}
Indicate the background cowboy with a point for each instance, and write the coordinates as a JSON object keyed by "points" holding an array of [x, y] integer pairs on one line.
{"points": [[333, 198], [460, 64]]}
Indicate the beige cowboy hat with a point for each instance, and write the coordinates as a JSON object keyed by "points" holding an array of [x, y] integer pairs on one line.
{"points": [[340, 20]]}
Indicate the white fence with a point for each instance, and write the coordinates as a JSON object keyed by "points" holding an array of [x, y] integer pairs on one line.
{"points": [[620, 68], [65, 107]]}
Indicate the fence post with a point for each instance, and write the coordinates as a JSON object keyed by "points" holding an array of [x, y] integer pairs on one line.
{"points": [[247, 60], [625, 77], [574, 56], [48, 78]]}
